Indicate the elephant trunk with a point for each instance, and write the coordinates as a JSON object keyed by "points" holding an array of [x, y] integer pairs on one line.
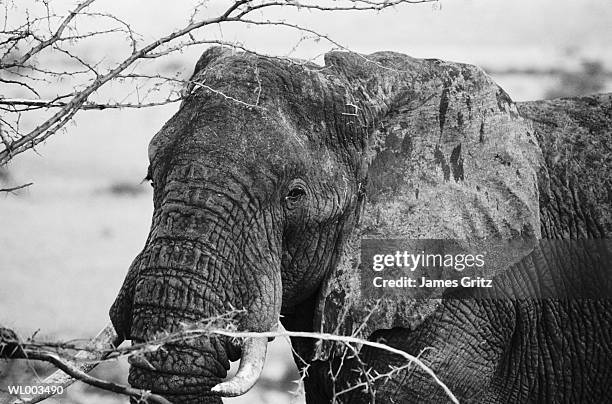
{"points": [[182, 372], [180, 284]]}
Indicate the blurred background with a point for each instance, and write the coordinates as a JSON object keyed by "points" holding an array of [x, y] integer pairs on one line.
{"points": [[66, 241]]}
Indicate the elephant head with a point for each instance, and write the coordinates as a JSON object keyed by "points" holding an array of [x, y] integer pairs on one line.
{"points": [[272, 171]]}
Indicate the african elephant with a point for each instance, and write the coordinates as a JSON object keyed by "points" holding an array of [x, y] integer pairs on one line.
{"points": [[272, 171]]}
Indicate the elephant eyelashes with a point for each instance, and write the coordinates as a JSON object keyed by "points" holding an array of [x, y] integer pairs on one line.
{"points": [[295, 195]]}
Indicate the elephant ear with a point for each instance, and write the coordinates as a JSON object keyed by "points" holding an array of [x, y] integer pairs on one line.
{"points": [[448, 157]]}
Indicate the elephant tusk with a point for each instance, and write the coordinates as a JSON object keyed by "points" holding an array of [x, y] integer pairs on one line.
{"points": [[251, 364], [106, 339]]}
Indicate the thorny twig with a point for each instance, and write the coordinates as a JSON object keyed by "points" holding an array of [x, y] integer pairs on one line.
{"points": [[224, 326], [342, 339]]}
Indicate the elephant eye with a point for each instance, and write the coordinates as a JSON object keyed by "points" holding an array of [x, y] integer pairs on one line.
{"points": [[295, 194]]}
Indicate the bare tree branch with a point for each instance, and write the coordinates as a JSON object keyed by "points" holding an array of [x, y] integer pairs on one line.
{"points": [[12, 189], [25, 42], [65, 366], [36, 104], [43, 44]]}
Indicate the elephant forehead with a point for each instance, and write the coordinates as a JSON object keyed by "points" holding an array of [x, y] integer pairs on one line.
{"points": [[231, 137], [319, 103]]}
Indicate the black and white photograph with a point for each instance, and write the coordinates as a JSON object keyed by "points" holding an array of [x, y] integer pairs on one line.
{"points": [[305, 201]]}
